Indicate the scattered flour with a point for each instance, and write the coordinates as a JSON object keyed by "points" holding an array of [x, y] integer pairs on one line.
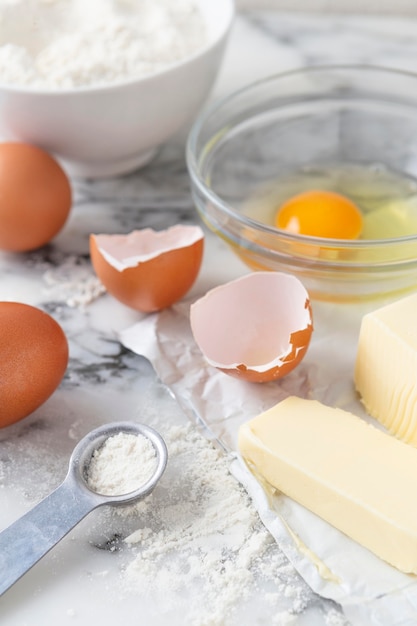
{"points": [[195, 549], [73, 282], [75, 43], [199, 530], [122, 464]]}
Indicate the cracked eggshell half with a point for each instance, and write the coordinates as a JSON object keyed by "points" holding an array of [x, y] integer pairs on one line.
{"points": [[257, 327], [148, 270]]}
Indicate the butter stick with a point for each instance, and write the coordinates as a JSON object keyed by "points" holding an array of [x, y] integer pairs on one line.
{"points": [[386, 367], [356, 477]]}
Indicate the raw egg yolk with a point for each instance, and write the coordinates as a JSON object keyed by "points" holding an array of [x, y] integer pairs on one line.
{"points": [[320, 214]]}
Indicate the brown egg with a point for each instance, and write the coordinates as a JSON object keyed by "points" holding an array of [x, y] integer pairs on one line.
{"points": [[33, 359], [257, 327], [35, 197], [148, 270]]}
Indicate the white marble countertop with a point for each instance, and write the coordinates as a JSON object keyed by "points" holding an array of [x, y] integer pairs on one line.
{"points": [[79, 581]]}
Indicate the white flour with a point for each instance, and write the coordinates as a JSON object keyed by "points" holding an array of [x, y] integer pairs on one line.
{"points": [[73, 282], [75, 43], [199, 531], [122, 464], [196, 549]]}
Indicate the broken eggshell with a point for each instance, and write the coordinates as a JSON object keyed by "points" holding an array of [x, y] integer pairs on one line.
{"points": [[257, 327], [148, 270]]}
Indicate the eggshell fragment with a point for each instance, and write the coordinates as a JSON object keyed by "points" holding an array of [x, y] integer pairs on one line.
{"points": [[33, 359], [257, 327], [148, 270]]}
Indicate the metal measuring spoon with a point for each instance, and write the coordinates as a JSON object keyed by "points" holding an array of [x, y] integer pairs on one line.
{"points": [[28, 539]]}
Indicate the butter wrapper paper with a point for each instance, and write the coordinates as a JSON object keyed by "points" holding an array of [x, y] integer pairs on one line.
{"points": [[371, 592]]}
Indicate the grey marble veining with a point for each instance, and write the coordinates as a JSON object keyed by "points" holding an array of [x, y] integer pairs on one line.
{"points": [[343, 39]]}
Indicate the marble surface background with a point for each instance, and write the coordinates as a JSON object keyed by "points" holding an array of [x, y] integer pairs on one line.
{"points": [[372, 7], [105, 382]]}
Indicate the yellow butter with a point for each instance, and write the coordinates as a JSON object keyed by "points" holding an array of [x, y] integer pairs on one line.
{"points": [[386, 367], [356, 477]]}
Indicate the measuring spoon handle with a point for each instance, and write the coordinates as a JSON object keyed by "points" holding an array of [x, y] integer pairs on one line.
{"points": [[30, 537]]}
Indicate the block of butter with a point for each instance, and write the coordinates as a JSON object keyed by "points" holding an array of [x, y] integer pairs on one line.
{"points": [[351, 474], [386, 367]]}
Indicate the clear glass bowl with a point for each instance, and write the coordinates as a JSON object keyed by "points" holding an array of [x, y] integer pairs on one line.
{"points": [[318, 117]]}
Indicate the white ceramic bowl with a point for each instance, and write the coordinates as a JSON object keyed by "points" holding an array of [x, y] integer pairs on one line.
{"points": [[104, 131]]}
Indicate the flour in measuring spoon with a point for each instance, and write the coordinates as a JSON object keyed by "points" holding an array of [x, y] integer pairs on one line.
{"points": [[123, 464], [65, 44]]}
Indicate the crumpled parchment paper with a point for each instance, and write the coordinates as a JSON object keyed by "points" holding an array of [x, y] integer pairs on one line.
{"points": [[371, 592]]}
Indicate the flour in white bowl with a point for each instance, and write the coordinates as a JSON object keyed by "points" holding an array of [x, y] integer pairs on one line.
{"points": [[64, 44]]}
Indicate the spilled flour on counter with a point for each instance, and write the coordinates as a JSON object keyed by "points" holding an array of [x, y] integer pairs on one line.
{"points": [[73, 282], [193, 553], [200, 531]]}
